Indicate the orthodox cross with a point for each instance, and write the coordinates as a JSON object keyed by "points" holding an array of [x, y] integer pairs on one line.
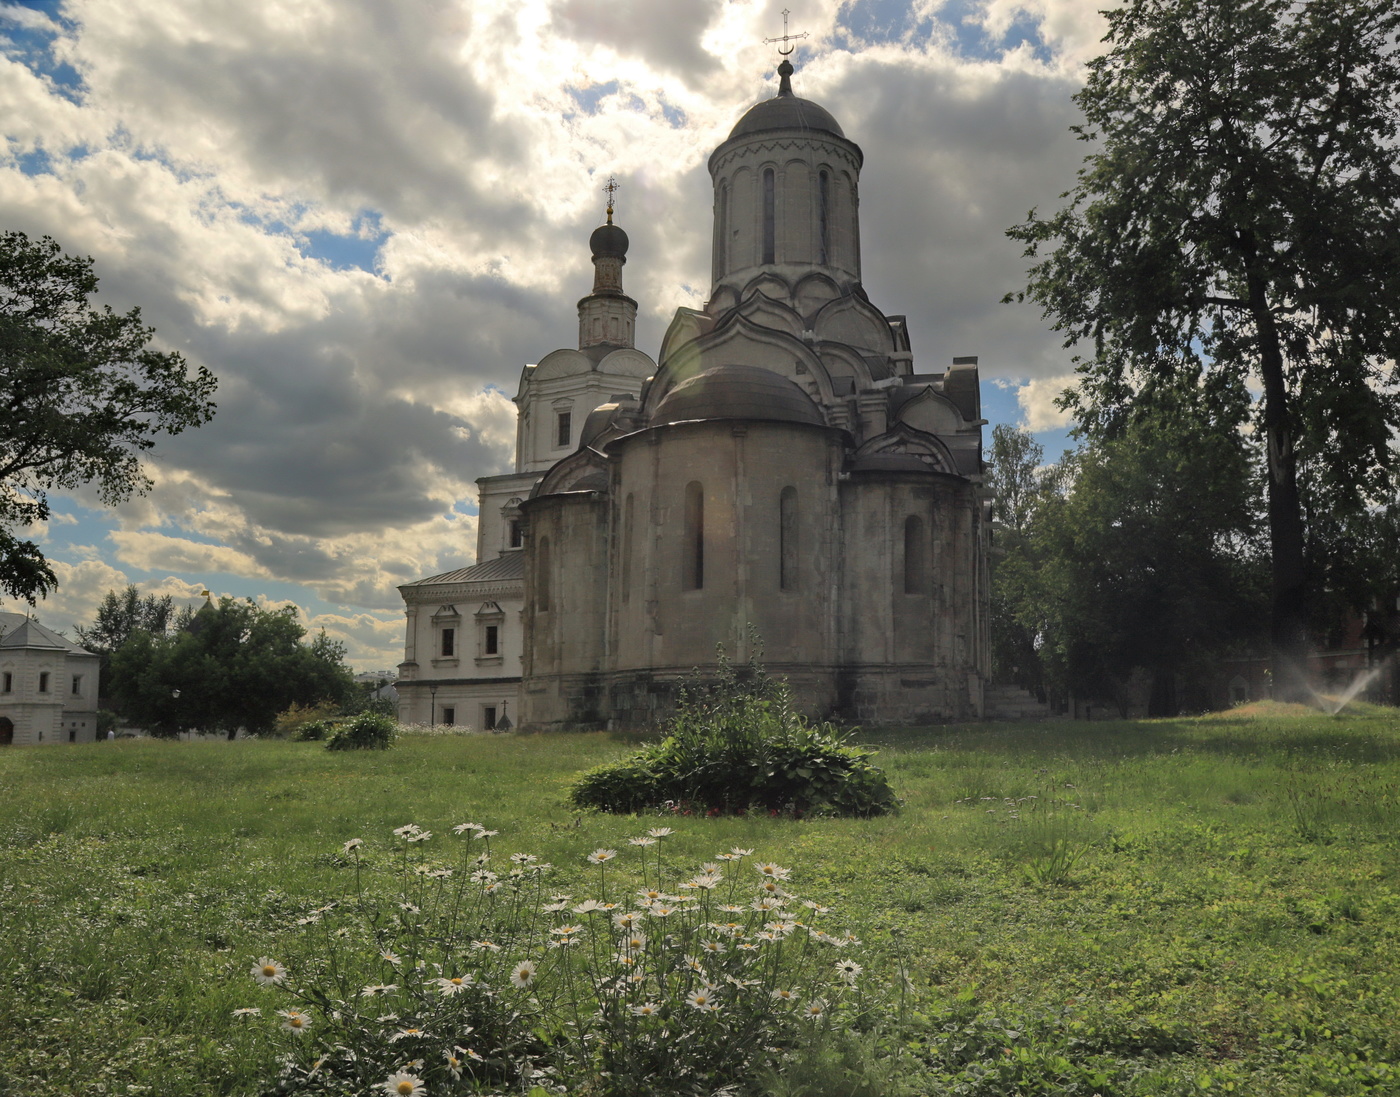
{"points": [[786, 37], [612, 187]]}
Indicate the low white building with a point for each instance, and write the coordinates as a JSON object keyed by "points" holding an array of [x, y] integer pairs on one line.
{"points": [[48, 685]]}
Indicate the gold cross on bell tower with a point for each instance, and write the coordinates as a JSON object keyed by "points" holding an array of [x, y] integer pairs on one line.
{"points": [[786, 37], [612, 186]]}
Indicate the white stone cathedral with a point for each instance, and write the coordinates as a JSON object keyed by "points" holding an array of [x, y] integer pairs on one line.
{"points": [[785, 468]]}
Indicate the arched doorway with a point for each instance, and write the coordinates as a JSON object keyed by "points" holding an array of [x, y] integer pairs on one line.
{"points": [[7, 731]]}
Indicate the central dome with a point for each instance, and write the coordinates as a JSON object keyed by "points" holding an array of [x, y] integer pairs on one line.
{"points": [[786, 112], [737, 392]]}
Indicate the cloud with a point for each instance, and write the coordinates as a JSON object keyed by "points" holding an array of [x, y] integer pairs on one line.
{"points": [[1037, 399], [366, 218]]}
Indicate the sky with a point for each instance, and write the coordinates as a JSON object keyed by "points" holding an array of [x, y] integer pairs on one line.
{"points": [[365, 217]]}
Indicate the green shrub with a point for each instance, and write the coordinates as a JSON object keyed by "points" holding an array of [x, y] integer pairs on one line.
{"points": [[315, 731], [367, 731], [737, 745]]}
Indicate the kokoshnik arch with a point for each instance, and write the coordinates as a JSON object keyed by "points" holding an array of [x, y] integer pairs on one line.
{"points": [[784, 466]]}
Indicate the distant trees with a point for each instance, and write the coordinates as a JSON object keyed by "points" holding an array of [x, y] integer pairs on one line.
{"points": [[231, 665], [1139, 553], [82, 395], [1238, 223]]}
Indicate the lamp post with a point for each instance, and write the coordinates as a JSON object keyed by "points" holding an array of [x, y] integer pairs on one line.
{"points": [[432, 704]]}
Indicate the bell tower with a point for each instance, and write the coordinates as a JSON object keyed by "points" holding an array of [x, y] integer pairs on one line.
{"points": [[607, 317]]}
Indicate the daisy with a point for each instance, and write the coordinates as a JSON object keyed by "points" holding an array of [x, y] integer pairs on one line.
{"points": [[378, 990], [486, 946], [588, 906], [660, 832], [771, 887], [440, 873], [566, 931], [848, 970], [420, 836], [737, 852], [484, 876], [772, 871], [453, 984], [700, 999], [487, 833], [294, 1020], [405, 830], [409, 1033], [651, 895], [523, 974], [554, 908], [268, 972], [815, 908], [641, 841], [646, 1009], [693, 962], [403, 1084], [732, 908], [706, 880], [456, 1060], [713, 947], [634, 942], [309, 920], [523, 858], [627, 919], [391, 957], [462, 828], [354, 843], [764, 903], [601, 856], [744, 946], [409, 907], [248, 1011], [661, 910], [784, 996], [726, 857], [815, 1009]]}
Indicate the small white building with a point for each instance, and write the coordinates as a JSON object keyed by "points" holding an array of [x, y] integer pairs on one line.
{"points": [[48, 686]]}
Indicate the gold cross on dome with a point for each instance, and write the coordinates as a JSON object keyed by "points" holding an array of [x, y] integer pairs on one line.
{"points": [[612, 187], [786, 37]]}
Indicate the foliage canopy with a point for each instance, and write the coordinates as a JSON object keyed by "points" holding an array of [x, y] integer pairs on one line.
{"points": [[1239, 219], [82, 395]]}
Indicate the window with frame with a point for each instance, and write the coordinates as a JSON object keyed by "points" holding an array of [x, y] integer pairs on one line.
{"points": [[915, 556], [564, 428], [693, 545], [770, 216], [9, 683], [43, 681], [488, 717], [77, 684], [787, 539], [491, 642], [448, 645], [449, 715]]}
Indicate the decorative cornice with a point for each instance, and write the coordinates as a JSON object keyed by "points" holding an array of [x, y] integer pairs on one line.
{"points": [[783, 144]]}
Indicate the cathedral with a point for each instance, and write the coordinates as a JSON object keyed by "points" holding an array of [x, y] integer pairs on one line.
{"points": [[783, 469]]}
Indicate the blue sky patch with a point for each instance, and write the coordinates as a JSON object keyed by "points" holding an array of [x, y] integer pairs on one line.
{"points": [[32, 46]]}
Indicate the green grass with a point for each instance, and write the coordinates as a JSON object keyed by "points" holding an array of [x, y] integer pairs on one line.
{"points": [[1164, 907]]}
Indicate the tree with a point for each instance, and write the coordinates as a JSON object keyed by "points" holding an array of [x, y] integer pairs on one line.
{"points": [[1239, 218], [1149, 559], [233, 666], [82, 395], [119, 616]]}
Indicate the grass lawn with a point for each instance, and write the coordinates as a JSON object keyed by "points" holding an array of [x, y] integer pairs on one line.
{"points": [[1160, 907]]}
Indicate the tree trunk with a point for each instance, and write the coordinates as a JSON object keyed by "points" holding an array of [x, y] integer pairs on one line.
{"points": [[1289, 629]]}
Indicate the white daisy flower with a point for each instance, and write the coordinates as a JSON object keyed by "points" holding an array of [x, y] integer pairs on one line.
{"points": [[523, 974], [409, 1033], [486, 946], [646, 1009], [737, 852], [406, 830], [420, 836], [248, 1011], [354, 843], [554, 908], [626, 919], [714, 948], [634, 942], [566, 931], [403, 1084], [378, 990], [294, 1020], [601, 856], [700, 999], [462, 828], [588, 906], [523, 858], [487, 833], [815, 1009], [391, 957], [848, 970], [453, 984], [661, 910], [660, 832], [732, 908], [772, 871], [268, 972], [784, 996], [641, 841]]}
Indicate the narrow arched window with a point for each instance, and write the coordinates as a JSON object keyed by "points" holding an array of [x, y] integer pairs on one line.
{"points": [[787, 539], [824, 218], [693, 547], [542, 575], [721, 230], [915, 556], [628, 533], [770, 216]]}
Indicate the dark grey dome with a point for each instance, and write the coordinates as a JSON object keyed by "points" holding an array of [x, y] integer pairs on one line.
{"points": [[608, 242], [737, 392], [785, 112]]}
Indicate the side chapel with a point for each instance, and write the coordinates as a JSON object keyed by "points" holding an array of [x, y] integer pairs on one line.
{"points": [[784, 465]]}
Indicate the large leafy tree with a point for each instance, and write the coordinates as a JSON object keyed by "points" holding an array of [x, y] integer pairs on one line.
{"points": [[82, 395], [234, 665], [1238, 224]]}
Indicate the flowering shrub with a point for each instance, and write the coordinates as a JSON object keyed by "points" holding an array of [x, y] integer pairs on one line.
{"points": [[470, 980], [366, 731], [738, 745]]}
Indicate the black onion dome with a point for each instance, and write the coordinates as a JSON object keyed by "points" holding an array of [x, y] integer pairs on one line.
{"points": [[608, 242], [737, 392]]}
